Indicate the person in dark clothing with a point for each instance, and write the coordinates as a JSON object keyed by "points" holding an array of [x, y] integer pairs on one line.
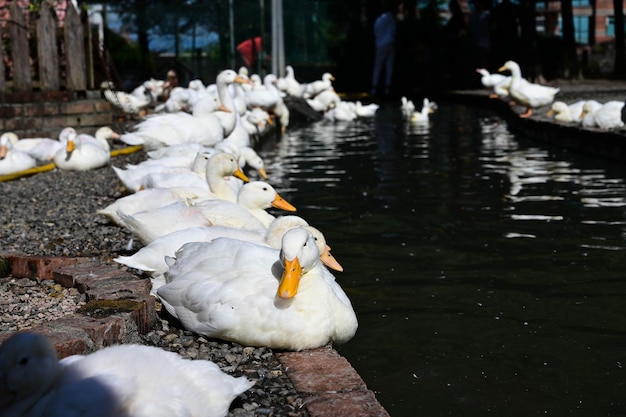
{"points": [[385, 29]]}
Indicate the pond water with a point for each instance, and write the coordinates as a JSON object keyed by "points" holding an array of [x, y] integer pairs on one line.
{"points": [[487, 270]]}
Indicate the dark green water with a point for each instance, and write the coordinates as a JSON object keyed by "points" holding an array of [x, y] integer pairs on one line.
{"points": [[488, 271]]}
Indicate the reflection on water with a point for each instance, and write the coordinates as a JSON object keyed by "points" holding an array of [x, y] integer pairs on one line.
{"points": [[487, 271]]}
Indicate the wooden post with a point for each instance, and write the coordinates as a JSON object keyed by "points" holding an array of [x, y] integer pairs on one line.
{"points": [[47, 50], [2, 70], [75, 49], [84, 17], [20, 53]]}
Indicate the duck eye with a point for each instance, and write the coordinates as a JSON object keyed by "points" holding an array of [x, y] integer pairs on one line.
{"points": [[23, 361]]}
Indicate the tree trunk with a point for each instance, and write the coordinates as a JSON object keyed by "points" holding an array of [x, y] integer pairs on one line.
{"points": [[529, 64], [570, 59], [142, 38], [620, 52]]}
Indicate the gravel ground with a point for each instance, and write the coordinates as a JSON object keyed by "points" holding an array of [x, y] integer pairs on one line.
{"points": [[54, 214]]}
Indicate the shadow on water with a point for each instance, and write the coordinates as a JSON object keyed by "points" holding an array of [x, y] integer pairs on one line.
{"points": [[487, 271]]}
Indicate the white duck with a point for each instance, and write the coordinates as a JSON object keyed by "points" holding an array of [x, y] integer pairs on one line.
{"points": [[135, 179], [323, 101], [407, 107], [607, 117], [151, 223], [490, 80], [498, 82], [178, 100], [344, 111], [259, 296], [239, 98], [81, 154], [256, 122], [13, 160], [315, 87], [204, 127], [139, 176], [136, 103], [366, 110], [122, 380], [183, 149], [501, 90], [266, 97], [566, 113], [527, 94], [423, 116], [148, 225], [249, 212], [254, 199], [289, 84], [42, 149], [148, 199], [250, 158], [586, 117], [100, 138], [151, 259]]}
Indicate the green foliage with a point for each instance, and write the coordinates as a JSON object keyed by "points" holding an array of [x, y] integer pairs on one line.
{"points": [[123, 52]]}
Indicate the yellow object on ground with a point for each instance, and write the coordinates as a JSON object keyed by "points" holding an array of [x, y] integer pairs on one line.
{"points": [[49, 167]]}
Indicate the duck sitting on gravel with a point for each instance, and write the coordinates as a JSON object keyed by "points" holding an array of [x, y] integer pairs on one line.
{"points": [[11, 159], [123, 380], [81, 153], [259, 296]]}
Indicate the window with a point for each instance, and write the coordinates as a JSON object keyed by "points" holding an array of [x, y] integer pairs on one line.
{"points": [[581, 29], [610, 26]]}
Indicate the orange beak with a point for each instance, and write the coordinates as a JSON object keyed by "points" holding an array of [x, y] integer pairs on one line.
{"points": [[288, 287], [239, 174], [329, 260], [224, 108], [239, 79], [262, 173], [3, 151], [282, 204], [69, 148]]}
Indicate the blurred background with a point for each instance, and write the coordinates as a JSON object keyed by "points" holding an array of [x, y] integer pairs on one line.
{"points": [[197, 38]]}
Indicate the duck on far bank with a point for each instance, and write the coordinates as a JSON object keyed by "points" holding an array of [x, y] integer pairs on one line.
{"points": [[525, 93], [566, 113]]}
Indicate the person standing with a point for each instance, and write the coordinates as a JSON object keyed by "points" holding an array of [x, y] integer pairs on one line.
{"points": [[385, 40], [480, 32]]}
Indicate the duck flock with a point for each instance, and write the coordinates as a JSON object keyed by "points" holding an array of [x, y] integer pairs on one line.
{"points": [[585, 113], [219, 262]]}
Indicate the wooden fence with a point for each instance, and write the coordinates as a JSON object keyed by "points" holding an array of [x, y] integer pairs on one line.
{"points": [[41, 55]]}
